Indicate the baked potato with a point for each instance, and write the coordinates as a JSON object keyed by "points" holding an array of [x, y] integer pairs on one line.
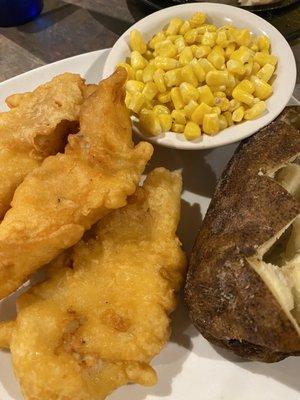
{"points": [[243, 283]]}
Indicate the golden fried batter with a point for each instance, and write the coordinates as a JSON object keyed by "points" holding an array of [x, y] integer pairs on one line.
{"points": [[102, 314], [35, 128], [69, 192]]}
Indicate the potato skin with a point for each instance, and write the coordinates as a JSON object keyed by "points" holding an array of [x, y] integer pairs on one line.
{"points": [[227, 300]]}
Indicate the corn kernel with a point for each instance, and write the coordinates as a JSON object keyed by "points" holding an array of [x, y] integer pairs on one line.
{"points": [[219, 94], [192, 131], [166, 49], [150, 90], [137, 42], [209, 39], [263, 43], [164, 97], [248, 67], [137, 60], [129, 69], [180, 44], [255, 111], [228, 116], [190, 108], [177, 98], [234, 104], [178, 117], [177, 128], [133, 86], [191, 36], [174, 26], [246, 85], [207, 28], [242, 96], [216, 59], [165, 121], [219, 50], [206, 65], [156, 38], [198, 70], [194, 48], [238, 114], [211, 125], [136, 102], [202, 51], [188, 92], [199, 112], [197, 19], [173, 77], [127, 100], [266, 72], [242, 54], [139, 75], [256, 68], [148, 73], [243, 37], [236, 67], [217, 78], [158, 78], [160, 109], [264, 58], [184, 28], [262, 89], [186, 56], [216, 110], [229, 50], [206, 95], [149, 123], [148, 55], [165, 63], [223, 122], [221, 38], [173, 38], [223, 103], [188, 75]]}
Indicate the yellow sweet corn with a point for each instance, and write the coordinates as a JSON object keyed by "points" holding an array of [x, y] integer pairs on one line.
{"points": [[188, 75], [177, 128], [256, 68], [197, 19], [238, 114], [127, 100], [129, 69], [262, 89], [211, 125], [190, 108], [174, 26], [221, 38], [266, 72], [139, 75], [173, 38], [216, 59], [166, 49], [234, 104], [264, 58], [191, 36], [219, 94], [165, 121], [199, 112], [222, 122], [137, 60], [150, 90], [246, 85], [217, 78], [209, 39], [202, 51], [188, 92], [243, 37], [166, 63], [229, 50], [148, 73], [160, 36], [255, 111], [164, 97], [205, 95], [186, 56], [178, 116], [161, 109], [133, 86], [228, 116], [137, 42], [242, 54], [263, 43], [184, 28], [136, 102], [149, 123], [192, 131], [248, 67], [206, 65], [158, 79], [180, 44], [242, 96], [235, 67], [222, 102], [177, 98], [198, 70], [173, 77], [216, 110], [148, 55]]}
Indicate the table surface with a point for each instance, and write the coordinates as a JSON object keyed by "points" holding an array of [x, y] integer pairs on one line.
{"points": [[68, 28]]}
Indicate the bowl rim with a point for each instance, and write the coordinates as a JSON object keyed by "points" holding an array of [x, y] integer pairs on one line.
{"points": [[287, 61]]}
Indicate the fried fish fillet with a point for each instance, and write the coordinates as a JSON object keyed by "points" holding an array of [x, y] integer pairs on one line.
{"points": [[36, 128], [103, 313], [69, 192]]}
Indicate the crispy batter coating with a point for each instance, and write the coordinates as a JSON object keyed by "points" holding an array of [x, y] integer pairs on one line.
{"points": [[35, 128], [102, 315], [69, 192]]}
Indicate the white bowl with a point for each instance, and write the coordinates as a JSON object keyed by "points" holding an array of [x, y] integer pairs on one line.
{"points": [[218, 14]]}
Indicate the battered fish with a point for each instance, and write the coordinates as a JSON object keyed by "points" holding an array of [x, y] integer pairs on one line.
{"points": [[36, 128], [69, 192], [103, 313]]}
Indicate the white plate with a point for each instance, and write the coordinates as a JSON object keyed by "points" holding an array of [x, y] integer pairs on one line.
{"points": [[218, 14], [189, 368]]}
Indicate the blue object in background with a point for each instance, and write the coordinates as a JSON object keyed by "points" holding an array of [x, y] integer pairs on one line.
{"points": [[17, 12]]}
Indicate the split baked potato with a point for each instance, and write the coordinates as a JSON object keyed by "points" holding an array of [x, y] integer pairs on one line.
{"points": [[243, 284]]}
